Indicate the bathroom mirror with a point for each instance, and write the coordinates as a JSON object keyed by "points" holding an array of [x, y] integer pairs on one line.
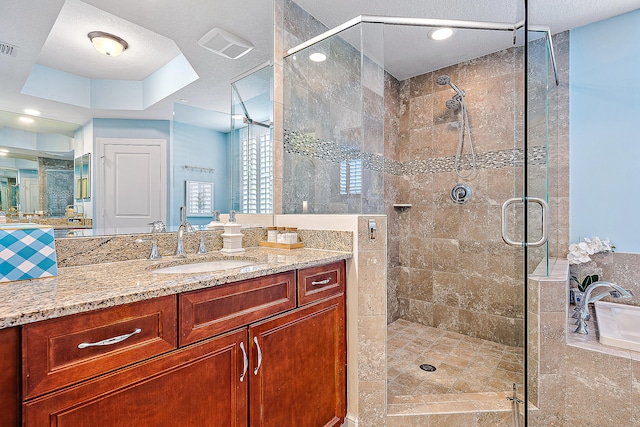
{"points": [[82, 176], [61, 142]]}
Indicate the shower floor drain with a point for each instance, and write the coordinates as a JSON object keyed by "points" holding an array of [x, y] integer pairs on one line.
{"points": [[427, 367]]}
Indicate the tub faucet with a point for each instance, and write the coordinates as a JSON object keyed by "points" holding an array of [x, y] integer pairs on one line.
{"points": [[185, 227], [617, 292]]}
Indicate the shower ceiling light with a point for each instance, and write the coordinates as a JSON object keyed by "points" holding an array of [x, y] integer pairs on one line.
{"points": [[107, 44], [440, 33], [317, 57]]}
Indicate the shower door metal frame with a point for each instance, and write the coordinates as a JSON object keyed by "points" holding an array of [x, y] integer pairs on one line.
{"points": [[430, 22]]}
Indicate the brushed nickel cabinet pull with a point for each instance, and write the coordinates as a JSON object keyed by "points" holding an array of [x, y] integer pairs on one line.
{"points": [[246, 361], [321, 282], [255, 371], [109, 341]]}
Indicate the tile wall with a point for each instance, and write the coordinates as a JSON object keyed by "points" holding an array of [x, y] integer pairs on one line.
{"points": [[55, 178], [565, 373], [449, 266]]}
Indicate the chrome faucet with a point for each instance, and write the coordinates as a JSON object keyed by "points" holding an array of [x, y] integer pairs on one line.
{"points": [[618, 292], [185, 227]]}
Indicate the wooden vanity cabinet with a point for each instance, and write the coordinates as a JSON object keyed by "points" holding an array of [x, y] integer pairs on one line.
{"points": [[197, 386], [244, 355]]}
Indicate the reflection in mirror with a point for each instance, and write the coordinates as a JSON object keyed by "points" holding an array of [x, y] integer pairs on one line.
{"points": [[200, 154], [82, 174], [129, 97], [36, 167], [252, 142]]}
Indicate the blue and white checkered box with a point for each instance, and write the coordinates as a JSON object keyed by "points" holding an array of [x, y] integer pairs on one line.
{"points": [[27, 251]]}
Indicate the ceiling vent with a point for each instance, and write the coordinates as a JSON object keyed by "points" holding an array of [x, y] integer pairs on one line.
{"points": [[8, 50], [225, 44]]}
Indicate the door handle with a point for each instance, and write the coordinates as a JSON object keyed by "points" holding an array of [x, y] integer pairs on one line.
{"points": [[245, 360], [255, 340], [110, 341], [504, 228]]}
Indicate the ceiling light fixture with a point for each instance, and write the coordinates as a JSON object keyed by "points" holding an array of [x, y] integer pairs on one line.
{"points": [[31, 112], [440, 33], [25, 119], [107, 44], [317, 57]]}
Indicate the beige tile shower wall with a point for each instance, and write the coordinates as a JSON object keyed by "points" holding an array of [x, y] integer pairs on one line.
{"points": [[453, 270], [372, 323], [395, 192]]}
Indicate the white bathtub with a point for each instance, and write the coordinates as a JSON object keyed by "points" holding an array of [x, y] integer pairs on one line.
{"points": [[619, 325]]}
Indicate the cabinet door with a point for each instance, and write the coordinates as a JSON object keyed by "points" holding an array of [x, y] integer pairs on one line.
{"points": [[196, 386], [298, 367], [10, 377]]}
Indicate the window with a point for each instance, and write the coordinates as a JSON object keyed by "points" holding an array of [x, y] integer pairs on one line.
{"points": [[351, 176], [257, 172]]}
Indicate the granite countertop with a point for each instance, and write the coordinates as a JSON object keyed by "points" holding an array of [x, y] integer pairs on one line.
{"points": [[90, 287]]}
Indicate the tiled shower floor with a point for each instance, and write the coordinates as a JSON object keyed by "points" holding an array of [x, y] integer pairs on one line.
{"points": [[463, 364]]}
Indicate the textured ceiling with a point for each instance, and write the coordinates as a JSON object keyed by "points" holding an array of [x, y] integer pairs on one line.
{"points": [[155, 29], [67, 49]]}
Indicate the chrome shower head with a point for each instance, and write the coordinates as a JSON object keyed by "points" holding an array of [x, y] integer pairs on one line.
{"points": [[453, 103], [443, 80]]}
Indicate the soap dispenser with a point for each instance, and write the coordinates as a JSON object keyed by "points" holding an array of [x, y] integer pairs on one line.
{"points": [[232, 237]]}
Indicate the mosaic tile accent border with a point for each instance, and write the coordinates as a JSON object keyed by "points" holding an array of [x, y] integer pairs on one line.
{"points": [[306, 145]]}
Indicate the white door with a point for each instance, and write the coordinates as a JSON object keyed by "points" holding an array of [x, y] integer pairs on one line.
{"points": [[132, 191], [29, 195]]}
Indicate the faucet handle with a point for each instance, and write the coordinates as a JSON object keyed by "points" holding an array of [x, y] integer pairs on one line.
{"points": [[201, 249], [183, 214], [154, 247], [157, 227]]}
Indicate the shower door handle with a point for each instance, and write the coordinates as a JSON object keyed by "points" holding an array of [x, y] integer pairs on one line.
{"points": [[505, 224]]}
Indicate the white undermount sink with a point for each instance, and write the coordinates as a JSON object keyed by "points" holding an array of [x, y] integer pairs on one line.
{"points": [[203, 267]]}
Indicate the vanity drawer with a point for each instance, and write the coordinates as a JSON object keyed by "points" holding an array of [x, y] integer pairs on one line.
{"points": [[315, 283], [66, 350], [208, 312]]}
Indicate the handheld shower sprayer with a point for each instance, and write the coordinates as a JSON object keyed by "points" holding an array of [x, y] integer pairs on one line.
{"points": [[457, 103]]}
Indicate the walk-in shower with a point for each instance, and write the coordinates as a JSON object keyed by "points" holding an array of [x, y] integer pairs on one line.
{"points": [[359, 139]]}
